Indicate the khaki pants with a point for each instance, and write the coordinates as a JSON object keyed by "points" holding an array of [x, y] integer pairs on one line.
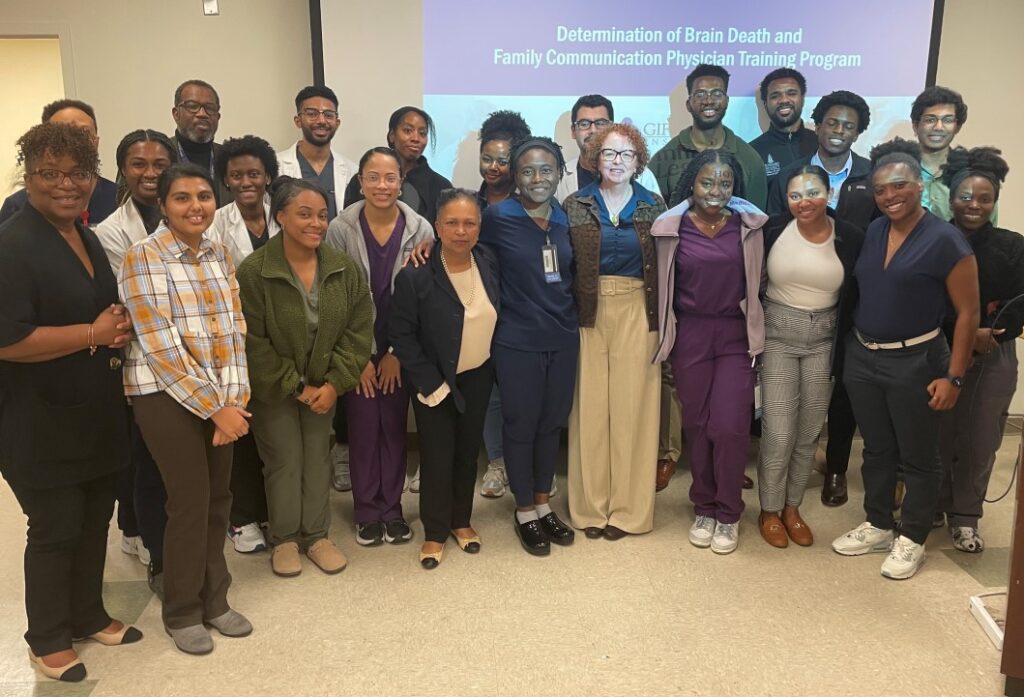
{"points": [[613, 427], [294, 444]]}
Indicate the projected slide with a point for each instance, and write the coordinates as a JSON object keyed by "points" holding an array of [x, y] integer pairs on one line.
{"points": [[483, 56]]}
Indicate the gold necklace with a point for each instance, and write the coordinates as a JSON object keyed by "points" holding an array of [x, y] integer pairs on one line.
{"points": [[472, 279]]}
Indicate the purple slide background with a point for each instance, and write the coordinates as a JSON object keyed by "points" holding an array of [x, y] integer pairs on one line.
{"points": [[460, 37]]}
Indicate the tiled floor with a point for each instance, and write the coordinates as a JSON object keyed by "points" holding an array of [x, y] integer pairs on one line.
{"points": [[648, 615]]}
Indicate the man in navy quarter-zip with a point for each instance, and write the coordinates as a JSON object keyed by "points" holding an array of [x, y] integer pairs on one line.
{"points": [[787, 139]]}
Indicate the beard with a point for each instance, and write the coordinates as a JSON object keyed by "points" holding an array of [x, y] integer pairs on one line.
{"points": [[313, 139], [782, 123]]}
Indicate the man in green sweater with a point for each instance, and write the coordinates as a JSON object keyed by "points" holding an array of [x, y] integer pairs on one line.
{"points": [[708, 90]]}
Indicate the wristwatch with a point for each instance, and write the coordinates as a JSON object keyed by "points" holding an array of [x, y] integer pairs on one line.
{"points": [[956, 381], [301, 387]]}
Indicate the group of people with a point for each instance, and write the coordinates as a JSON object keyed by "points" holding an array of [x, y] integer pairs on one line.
{"points": [[225, 331]]}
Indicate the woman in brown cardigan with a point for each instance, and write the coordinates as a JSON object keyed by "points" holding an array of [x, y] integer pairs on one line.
{"points": [[613, 428]]}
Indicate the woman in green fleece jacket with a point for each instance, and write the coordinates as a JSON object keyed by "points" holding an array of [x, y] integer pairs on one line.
{"points": [[310, 326]]}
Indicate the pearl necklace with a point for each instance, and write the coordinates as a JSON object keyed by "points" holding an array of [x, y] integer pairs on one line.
{"points": [[472, 279]]}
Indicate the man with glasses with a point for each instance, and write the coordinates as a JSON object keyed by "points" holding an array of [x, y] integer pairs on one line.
{"points": [[590, 114], [937, 115], [196, 115], [708, 90], [312, 157], [103, 200]]}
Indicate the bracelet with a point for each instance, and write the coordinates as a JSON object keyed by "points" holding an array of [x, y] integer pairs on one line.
{"points": [[92, 342]]}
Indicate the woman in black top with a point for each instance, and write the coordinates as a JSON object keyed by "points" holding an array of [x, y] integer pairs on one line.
{"points": [[442, 321], [973, 430], [409, 130], [63, 427]]}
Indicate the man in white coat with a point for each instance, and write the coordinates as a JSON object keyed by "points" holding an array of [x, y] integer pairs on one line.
{"points": [[312, 157], [590, 114]]}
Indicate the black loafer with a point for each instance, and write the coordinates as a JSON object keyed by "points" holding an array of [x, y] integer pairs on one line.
{"points": [[557, 531], [531, 536], [593, 533], [613, 533], [834, 493]]}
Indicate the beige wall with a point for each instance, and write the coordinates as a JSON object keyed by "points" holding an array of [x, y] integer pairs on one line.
{"points": [[30, 71], [127, 57]]}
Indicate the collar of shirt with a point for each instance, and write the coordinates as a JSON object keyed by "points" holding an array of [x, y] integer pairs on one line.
{"points": [[181, 251], [835, 180]]}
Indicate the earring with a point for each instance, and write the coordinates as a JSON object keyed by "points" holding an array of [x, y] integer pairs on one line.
{"points": [[361, 191]]}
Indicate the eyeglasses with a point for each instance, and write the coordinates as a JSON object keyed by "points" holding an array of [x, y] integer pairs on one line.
{"points": [[701, 95], [932, 119], [609, 155], [586, 124], [313, 114], [372, 178], [194, 107], [56, 177], [487, 161]]}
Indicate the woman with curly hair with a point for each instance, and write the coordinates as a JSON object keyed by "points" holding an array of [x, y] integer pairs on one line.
{"points": [[711, 326], [973, 430], [63, 426], [497, 134], [613, 427], [898, 369]]}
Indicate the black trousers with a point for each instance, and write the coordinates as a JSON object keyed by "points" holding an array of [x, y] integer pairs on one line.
{"points": [[449, 445], [64, 559], [125, 486], [150, 497], [888, 391], [248, 492], [841, 426], [341, 424]]}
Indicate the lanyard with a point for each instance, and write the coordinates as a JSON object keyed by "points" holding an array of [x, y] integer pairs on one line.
{"points": [[184, 158]]}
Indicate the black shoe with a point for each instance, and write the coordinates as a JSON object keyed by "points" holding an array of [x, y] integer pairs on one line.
{"points": [[397, 531], [531, 536], [833, 493], [370, 534], [613, 533], [939, 520], [593, 533], [557, 531]]}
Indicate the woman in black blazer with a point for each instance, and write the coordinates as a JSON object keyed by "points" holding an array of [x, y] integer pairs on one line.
{"points": [[443, 315]]}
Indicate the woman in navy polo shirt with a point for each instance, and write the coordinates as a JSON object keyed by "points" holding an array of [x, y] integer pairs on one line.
{"points": [[899, 372], [536, 342]]}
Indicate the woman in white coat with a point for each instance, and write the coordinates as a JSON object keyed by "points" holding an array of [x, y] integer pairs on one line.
{"points": [[246, 166]]}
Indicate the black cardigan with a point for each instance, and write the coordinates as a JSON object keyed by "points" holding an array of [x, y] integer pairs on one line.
{"points": [[849, 239], [1000, 257], [425, 325]]}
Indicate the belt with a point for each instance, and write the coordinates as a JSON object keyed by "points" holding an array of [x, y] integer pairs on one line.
{"points": [[907, 343], [618, 285]]}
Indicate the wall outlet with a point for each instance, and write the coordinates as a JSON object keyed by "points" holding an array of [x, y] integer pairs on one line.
{"points": [[211, 7]]}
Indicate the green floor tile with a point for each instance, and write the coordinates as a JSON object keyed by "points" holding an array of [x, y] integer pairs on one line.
{"points": [[991, 568], [49, 688], [125, 600]]}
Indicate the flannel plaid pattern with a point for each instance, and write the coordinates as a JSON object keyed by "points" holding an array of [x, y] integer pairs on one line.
{"points": [[189, 328]]}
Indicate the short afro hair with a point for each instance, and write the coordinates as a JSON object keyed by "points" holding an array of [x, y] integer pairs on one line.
{"points": [[58, 140], [503, 125], [707, 70], [781, 74], [61, 104], [847, 99], [935, 95], [246, 145]]}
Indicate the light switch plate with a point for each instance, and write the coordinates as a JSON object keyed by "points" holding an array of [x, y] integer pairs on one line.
{"points": [[211, 7]]}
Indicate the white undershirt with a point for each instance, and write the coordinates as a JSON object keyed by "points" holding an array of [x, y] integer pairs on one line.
{"points": [[803, 274]]}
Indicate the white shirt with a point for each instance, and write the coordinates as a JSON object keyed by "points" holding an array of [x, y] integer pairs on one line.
{"points": [[229, 229]]}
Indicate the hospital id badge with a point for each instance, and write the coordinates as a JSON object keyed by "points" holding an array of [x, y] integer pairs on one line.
{"points": [[549, 255]]}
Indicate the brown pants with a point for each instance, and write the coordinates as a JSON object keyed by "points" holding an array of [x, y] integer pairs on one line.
{"points": [[197, 477]]}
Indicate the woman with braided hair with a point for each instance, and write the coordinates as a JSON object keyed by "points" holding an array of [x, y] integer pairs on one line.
{"points": [[973, 430]]}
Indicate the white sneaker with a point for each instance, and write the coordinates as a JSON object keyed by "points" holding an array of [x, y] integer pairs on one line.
{"points": [[143, 553], [130, 545], [726, 538], [247, 539], [554, 487], [495, 481], [863, 539], [414, 483], [904, 560], [702, 530], [341, 479]]}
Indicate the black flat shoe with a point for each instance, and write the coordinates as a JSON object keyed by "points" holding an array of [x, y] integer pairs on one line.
{"points": [[531, 536], [593, 533], [834, 493], [557, 531], [431, 560], [613, 533]]}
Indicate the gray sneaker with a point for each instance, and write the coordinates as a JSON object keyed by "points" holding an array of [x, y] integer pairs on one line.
{"points": [[495, 481], [231, 624], [702, 530], [194, 640], [726, 538]]}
